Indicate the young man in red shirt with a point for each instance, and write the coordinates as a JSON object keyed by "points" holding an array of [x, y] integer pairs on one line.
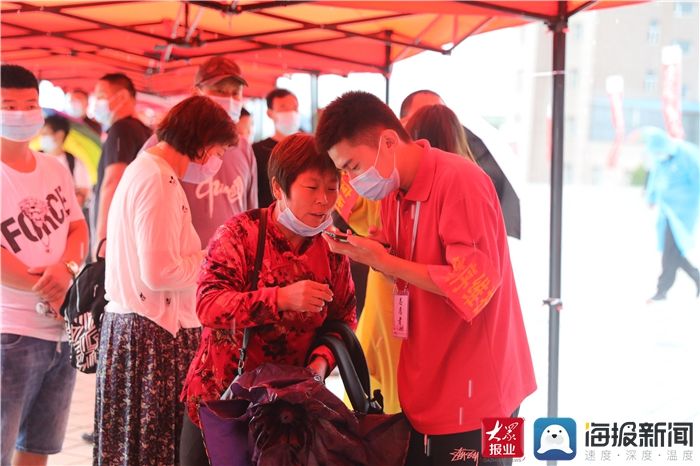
{"points": [[465, 354]]}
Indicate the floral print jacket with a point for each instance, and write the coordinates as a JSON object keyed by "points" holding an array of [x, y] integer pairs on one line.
{"points": [[225, 307]]}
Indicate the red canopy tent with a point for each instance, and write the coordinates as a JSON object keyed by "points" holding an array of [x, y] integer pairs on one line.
{"points": [[160, 44]]}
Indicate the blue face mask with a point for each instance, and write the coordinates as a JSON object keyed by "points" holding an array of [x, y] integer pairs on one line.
{"points": [[372, 185], [102, 113], [20, 125], [290, 221], [232, 106]]}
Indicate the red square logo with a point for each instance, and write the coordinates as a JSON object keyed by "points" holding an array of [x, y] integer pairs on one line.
{"points": [[502, 437]]}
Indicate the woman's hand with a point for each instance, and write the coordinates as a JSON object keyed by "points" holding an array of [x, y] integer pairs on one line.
{"points": [[319, 366], [304, 296]]}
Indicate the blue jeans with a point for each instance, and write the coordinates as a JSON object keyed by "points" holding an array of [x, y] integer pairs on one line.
{"points": [[36, 390]]}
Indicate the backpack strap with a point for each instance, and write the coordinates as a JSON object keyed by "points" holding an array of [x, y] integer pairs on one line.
{"points": [[259, 254], [99, 248], [70, 158]]}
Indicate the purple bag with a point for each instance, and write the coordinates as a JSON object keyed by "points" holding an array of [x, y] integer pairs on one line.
{"points": [[225, 432], [282, 416]]}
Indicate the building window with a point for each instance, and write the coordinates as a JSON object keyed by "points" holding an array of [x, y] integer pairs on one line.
{"points": [[653, 32], [683, 44], [681, 9], [650, 81]]}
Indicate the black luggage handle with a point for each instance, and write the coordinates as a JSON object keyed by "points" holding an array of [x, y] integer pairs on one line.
{"points": [[354, 349], [352, 365]]}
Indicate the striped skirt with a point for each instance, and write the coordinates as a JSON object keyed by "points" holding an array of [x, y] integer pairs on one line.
{"points": [[140, 372]]}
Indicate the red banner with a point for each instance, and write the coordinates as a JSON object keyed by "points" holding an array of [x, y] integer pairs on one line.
{"points": [[614, 86], [671, 90]]}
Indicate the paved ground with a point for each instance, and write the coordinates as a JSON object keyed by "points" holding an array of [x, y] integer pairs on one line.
{"points": [[621, 360]]}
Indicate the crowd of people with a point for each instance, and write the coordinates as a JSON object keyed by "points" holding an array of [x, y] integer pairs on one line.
{"points": [[425, 266]]}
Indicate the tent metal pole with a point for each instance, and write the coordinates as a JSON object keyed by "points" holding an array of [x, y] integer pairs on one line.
{"points": [[314, 101], [387, 65], [558, 27], [386, 89]]}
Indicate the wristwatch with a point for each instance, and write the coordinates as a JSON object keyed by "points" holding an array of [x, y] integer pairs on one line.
{"points": [[73, 268]]}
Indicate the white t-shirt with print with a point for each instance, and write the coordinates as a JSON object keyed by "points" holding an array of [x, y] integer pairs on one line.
{"points": [[37, 208]]}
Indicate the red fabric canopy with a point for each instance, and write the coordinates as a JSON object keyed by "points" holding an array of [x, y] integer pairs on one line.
{"points": [[160, 44]]}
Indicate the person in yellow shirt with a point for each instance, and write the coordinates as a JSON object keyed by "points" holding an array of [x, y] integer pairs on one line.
{"points": [[381, 348]]}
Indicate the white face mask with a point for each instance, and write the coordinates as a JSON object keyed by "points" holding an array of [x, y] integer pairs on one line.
{"points": [[21, 125], [198, 173], [372, 185], [103, 114], [75, 109], [48, 143], [287, 122], [232, 106], [292, 223]]}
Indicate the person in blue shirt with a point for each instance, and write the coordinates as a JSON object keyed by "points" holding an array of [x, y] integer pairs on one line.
{"points": [[674, 185]]}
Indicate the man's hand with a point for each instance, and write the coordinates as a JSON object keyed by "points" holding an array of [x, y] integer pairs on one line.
{"points": [[53, 284], [363, 250], [377, 234], [304, 296]]}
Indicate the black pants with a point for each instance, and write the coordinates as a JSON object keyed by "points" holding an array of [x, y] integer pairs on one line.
{"points": [[671, 261], [460, 448], [192, 451], [438, 450]]}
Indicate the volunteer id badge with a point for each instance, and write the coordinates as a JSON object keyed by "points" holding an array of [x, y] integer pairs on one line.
{"points": [[400, 313]]}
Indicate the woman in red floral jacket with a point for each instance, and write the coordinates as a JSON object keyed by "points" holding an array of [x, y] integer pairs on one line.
{"points": [[301, 283]]}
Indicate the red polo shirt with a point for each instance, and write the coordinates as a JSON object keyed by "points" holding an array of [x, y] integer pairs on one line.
{"points": [[467, 355]]}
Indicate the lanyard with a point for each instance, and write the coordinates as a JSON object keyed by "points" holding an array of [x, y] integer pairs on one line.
{"points": [[415, 227]]}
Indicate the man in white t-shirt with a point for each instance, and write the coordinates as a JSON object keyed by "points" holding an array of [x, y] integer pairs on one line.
{"points": [[43, 241], [53, 135]]}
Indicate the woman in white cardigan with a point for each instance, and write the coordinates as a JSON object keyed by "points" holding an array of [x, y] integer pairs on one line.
{"points": [[150, 330]]}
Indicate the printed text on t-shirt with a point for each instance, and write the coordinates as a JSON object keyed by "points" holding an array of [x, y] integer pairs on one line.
{"points": [[37, 218]]}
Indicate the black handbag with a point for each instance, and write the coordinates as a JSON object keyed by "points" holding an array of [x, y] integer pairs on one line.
{"points": [[82, 311]]}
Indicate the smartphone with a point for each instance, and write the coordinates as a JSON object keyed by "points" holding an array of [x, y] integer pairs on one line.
{"points": [[336, 235], [343, 237]]}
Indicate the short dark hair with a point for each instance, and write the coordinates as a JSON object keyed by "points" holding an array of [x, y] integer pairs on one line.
{"points": [[17, 77], [58, 123], [441, 127], [408, 101], [276, 94], [195, 124], [358, 117], [121, 81], [294, 155], [80, 92]]}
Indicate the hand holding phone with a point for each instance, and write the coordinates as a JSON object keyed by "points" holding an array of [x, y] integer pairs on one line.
{"points": [[337, 235], [343, 237]]}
